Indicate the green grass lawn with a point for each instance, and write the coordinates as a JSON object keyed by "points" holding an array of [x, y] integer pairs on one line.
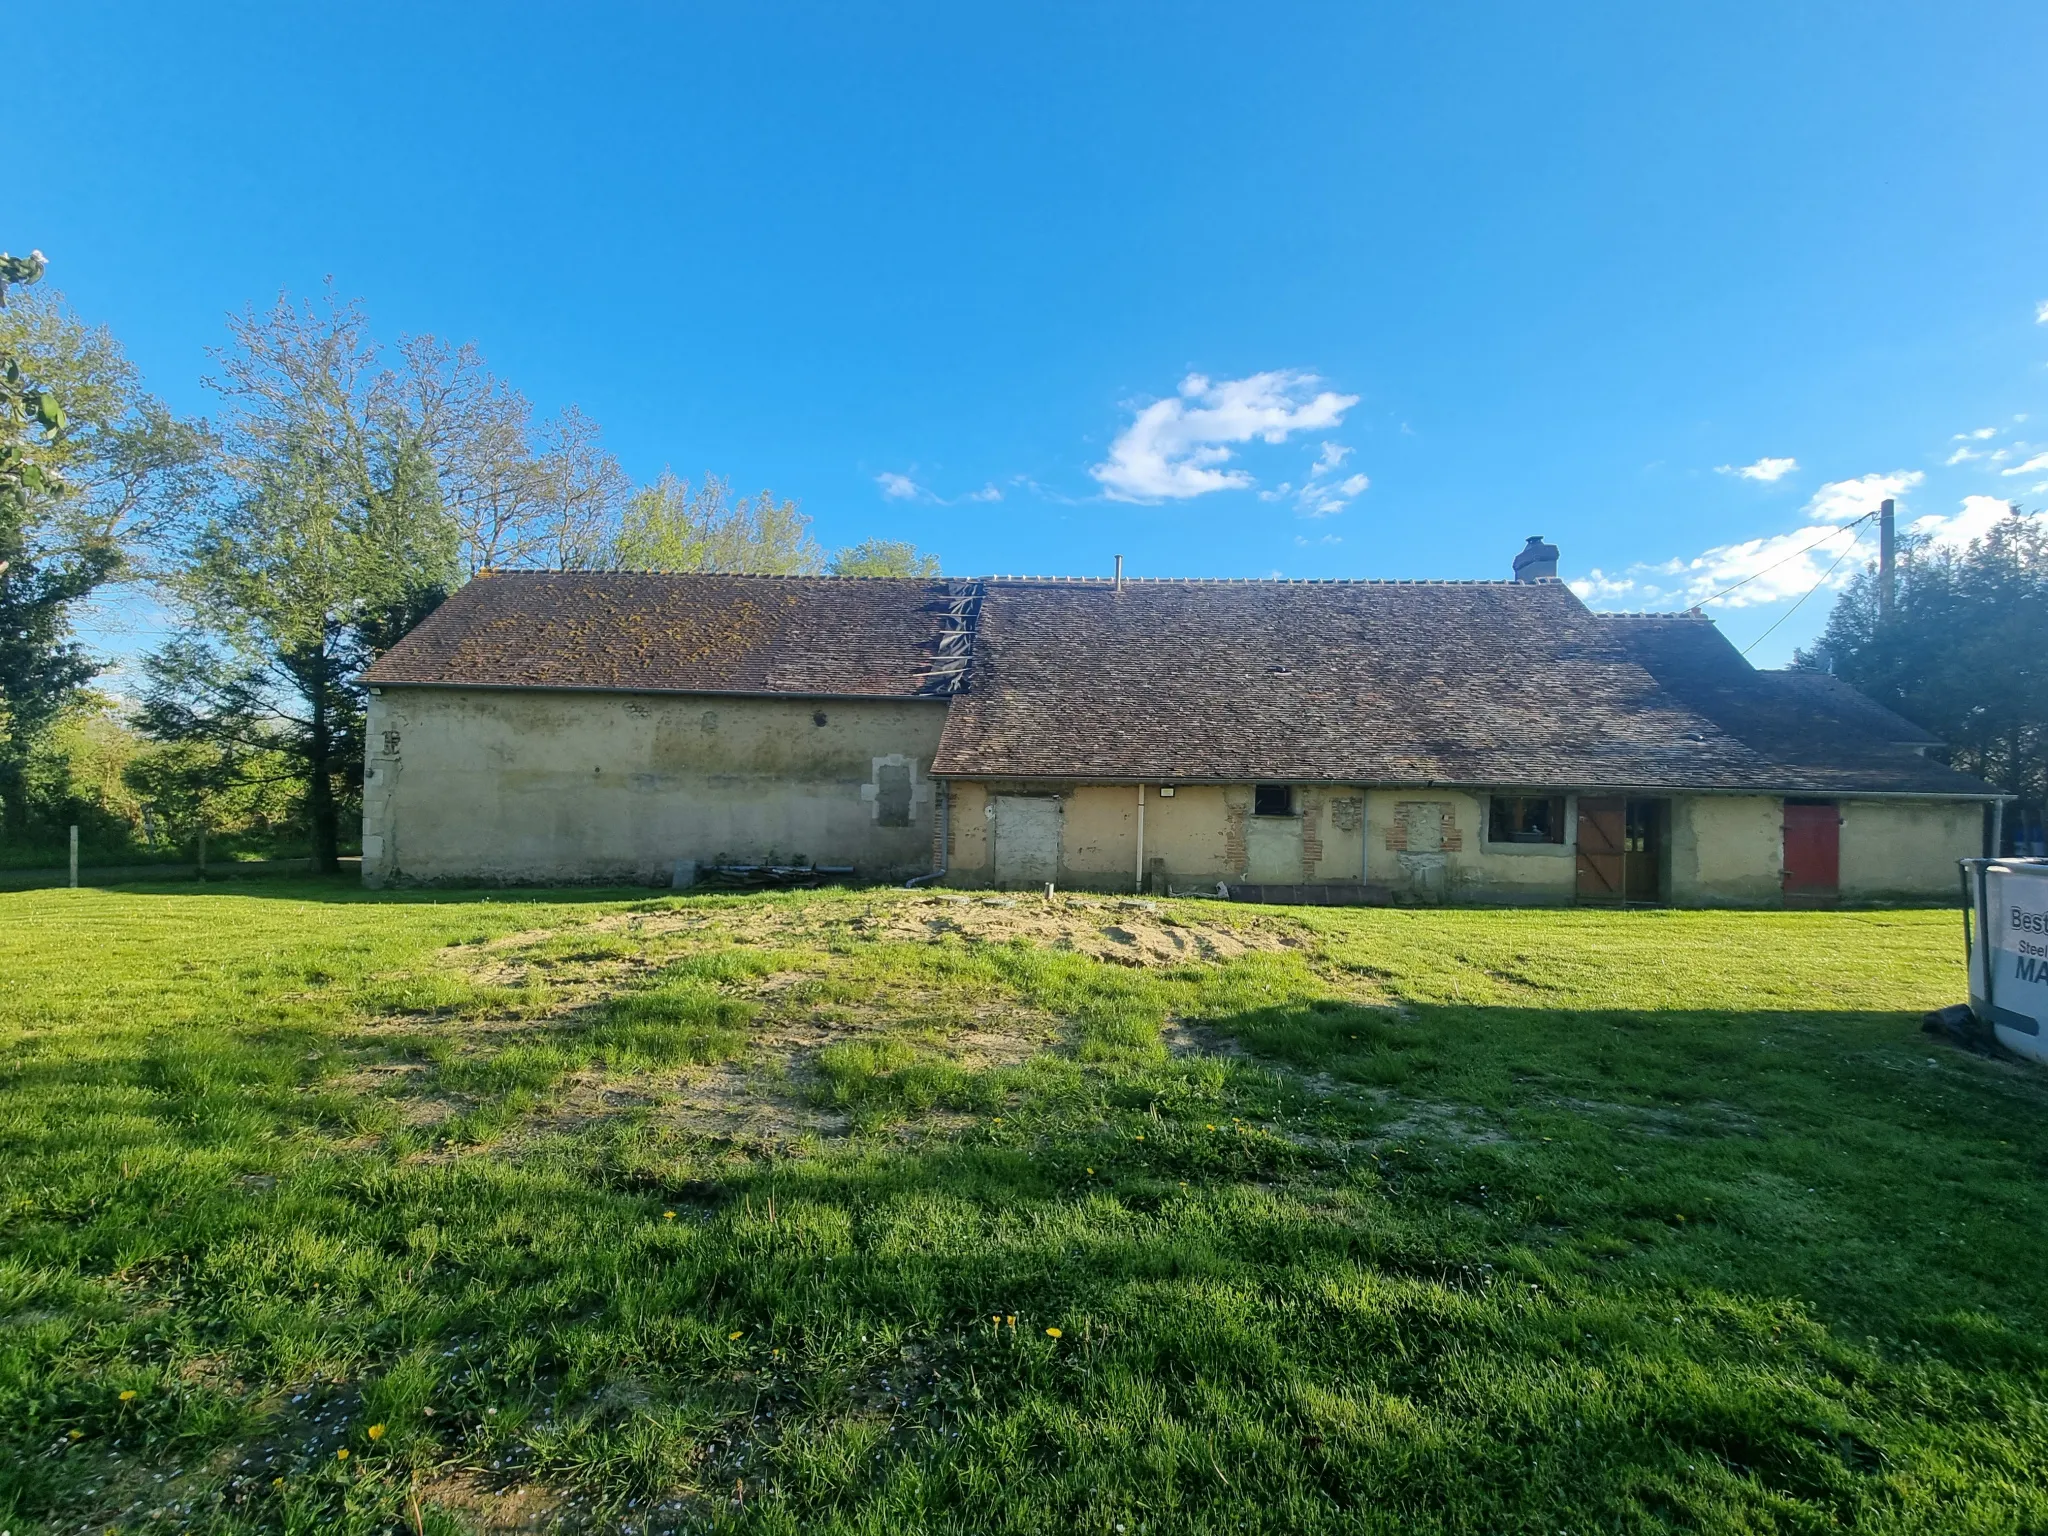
{"points": [[889, 1211]]}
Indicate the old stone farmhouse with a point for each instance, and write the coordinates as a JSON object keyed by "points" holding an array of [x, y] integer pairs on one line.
{"points": [[1320, 741]]}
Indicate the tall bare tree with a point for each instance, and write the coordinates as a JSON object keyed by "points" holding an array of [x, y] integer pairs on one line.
{"points": [[520, 493]]}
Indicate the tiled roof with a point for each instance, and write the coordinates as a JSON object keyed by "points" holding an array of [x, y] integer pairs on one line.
{"points": [[1468, 683], [817, 635], [1816, 729], [1452, 683]]}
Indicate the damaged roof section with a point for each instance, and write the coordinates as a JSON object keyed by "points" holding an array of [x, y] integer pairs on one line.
{"points": [[1470, 683], [1482, 684], [822, 636]]}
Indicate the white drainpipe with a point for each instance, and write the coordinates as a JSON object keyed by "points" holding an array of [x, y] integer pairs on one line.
{"points": [[1141, 837]]}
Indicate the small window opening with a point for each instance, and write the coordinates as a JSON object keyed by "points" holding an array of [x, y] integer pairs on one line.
{"points": [[1273, 800], [1526, 819], [818, 718]]}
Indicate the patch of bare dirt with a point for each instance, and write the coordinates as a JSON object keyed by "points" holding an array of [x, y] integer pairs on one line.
{"points": [[1123, 932], [486, 1507], [1458, 1123], [1706, 1118]]}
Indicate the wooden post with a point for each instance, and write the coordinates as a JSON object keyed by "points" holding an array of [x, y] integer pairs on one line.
{"points": [[202, 850], [74, 856], [1887, 547]]}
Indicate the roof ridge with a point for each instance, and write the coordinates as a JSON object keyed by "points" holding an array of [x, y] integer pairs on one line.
{"points": [[1271, 581]]}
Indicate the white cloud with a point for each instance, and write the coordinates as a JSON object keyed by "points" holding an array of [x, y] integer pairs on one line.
{"points": [[2041, 313], [1599, 587], [1175, 448], [1962, 456], [2038, 461], [1767, 470], [1771, 570], [1842, 501], [1976, 518], [897, 487], [1977, 436], [1329, 500], [1784, 565]]}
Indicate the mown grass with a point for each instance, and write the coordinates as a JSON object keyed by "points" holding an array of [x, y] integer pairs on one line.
{"points": [[1453, 1221]]}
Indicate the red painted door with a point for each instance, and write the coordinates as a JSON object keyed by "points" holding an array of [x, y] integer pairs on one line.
{"points": [[1813, 851]]}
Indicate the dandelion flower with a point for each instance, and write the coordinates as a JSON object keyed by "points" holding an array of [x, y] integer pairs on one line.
{"points": [[735, 1333], [997, 1319], [375, 1431], [1091, 1172], [78, 1434], [668, 1215], [342, 1454], [128, 1396], [277, 1482], [1011, 1319], [1141, 1135], [1052, 1333]]}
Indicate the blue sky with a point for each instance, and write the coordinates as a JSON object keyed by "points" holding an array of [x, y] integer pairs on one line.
{"points": [[1334, 290]]}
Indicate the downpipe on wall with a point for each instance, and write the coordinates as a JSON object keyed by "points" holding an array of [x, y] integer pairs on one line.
{"points": [[945, 840]]}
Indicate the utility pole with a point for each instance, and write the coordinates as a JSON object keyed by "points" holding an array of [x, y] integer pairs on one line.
{"points": [[1886, 548]]}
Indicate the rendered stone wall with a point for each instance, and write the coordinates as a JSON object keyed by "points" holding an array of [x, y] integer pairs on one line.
{"points": [[1907, 849], [538, 786]]}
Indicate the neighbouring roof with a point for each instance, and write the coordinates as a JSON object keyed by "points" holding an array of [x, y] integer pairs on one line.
{"points": [[1454, 683], [1449, 683], [812, 635]]}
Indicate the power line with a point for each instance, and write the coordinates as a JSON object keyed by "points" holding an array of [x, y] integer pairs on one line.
{"points": [[1760, 639], [1816, 544]]}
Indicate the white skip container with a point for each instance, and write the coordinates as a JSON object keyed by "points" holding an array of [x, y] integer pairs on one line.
{"points": [[2008, 899]]}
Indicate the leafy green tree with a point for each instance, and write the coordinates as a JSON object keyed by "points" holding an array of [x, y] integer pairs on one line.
{"points": [[884, 557], [1964, 653], [668, 526], [85, 487], [39, 666], [328, 539]]}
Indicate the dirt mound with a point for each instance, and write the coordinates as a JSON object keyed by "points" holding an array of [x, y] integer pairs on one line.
{"points": [[1125, 932]]}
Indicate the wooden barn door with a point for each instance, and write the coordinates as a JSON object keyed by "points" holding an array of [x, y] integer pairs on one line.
{"points": [[1813, 853], [1603, 841]]}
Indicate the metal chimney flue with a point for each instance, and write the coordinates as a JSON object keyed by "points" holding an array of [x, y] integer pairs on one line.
{"points": [[1119, 573], [1537, 561]]}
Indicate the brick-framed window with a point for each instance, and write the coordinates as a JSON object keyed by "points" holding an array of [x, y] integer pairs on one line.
{"points": [[1272, 799]]}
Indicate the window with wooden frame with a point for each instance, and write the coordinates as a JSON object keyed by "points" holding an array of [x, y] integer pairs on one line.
{"points": [[1525, 819]]}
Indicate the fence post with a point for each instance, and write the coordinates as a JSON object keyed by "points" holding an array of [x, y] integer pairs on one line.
{"points": [[202, 850], [74, 856]]}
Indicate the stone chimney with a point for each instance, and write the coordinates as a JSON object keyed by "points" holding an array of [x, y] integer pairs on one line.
{"points": [[1537, 561]]}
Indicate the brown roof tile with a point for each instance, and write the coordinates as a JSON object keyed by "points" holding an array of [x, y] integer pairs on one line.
{"points": [[1455, 683], [713, 633], [1479, 683]]}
